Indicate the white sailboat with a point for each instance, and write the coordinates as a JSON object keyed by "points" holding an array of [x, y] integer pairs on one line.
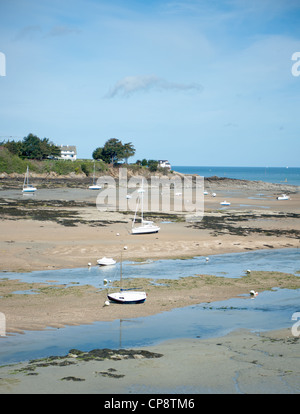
{"points": [[127, 296], [106, 261], [283, 197], [28, 188], [146, 226], [94, 186]]}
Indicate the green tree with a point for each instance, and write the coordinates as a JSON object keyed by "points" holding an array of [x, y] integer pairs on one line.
{"points": [[98, 153], [14, 147], [114, 151], [32, 147], [144, 162], [128, 151], [152, 165]]}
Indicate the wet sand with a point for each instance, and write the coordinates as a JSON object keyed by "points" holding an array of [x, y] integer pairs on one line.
{"points": [[69, 235], [241, 362], [44, 233], [63, 228]]}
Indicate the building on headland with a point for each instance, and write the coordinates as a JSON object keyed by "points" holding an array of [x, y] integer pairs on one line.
{"points": [[68, 152], [164, 164]]}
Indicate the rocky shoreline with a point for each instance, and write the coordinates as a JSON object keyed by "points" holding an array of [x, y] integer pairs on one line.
{"points": [[73, 180]]}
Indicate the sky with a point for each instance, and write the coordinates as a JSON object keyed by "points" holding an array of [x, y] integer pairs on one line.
{"points": [[196, 82]]}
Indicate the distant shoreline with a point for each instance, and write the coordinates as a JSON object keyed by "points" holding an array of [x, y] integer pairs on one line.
{"points": [[275, 175], [53, 180]]}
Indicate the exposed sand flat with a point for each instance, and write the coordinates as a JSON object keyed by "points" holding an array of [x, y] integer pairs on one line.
{"points": [[42, 233], [238, 363], [46, 233]]}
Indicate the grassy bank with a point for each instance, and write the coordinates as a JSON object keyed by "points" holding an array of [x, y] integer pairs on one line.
{"points": [[10, 163]]}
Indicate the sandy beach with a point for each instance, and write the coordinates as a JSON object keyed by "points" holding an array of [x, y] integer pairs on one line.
{"points": [[238, 363], [69, 232]]}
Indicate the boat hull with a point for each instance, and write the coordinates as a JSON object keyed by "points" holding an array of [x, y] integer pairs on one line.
{"points": [[94, 187], [29, 190], [106, 262], [145, 229], [127, 297]]}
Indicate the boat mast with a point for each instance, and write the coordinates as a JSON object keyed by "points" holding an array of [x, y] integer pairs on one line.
{"points": [[26, 178], [94, 175], [121, 271], [142, 215]]}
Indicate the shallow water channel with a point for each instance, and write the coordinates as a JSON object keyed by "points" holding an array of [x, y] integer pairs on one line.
{"points": [[269, 310]]}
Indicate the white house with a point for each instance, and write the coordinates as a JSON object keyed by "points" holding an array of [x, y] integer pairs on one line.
{"points": [[68, 152], [164, 164]]}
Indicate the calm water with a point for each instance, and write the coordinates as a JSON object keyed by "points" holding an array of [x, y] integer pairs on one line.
{"points": [[289, 175], [226, 265], [269, 310]]}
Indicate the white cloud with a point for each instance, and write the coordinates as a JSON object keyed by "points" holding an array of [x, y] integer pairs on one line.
{"points": [[28, 32], [63, 31], [132, 84]]}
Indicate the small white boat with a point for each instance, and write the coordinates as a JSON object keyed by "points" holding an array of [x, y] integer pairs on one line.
{"points": [[225, 203], [283, 197], [147, 226], [106, 261], [127, 296], [28, 188], [94, 186]]}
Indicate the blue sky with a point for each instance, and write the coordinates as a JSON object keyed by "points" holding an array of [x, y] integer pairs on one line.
{"points": [[192, 81]]}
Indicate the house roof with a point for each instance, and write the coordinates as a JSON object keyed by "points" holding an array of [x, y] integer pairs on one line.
{"points": [[68, 148]]}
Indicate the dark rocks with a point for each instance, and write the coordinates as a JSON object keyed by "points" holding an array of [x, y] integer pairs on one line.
{"points": [[114, 354]]}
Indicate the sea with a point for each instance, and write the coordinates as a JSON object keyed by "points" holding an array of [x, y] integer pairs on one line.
{"points": [[277, 175]]}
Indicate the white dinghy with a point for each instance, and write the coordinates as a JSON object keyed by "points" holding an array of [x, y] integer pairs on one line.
{"points": [[127, 296]]}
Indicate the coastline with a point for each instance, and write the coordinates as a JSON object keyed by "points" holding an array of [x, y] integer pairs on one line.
{"points": [[47, 233]]}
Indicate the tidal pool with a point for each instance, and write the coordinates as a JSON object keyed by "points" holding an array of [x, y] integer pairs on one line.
{"points": [[269, 310]]}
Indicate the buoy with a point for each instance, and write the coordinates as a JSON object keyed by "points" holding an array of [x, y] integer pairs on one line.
{"points": [[89, 264], [207, 259], [248, 271], [125, 247], [118, 234], [104, 281], [106, 303]]}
